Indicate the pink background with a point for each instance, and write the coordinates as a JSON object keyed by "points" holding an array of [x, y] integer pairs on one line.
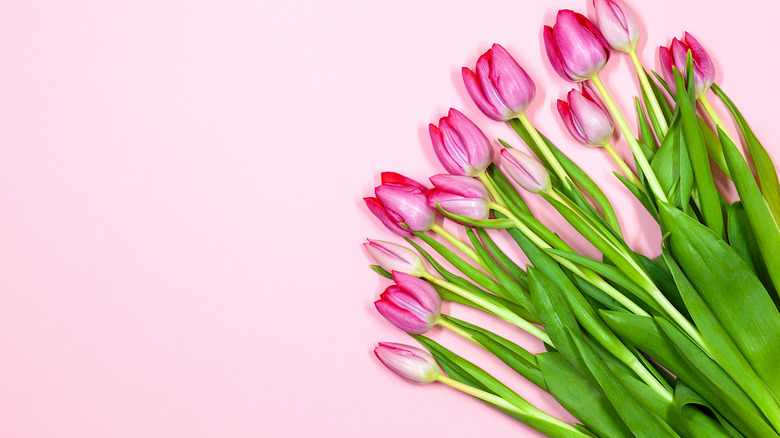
{"points": [[181, 185]]}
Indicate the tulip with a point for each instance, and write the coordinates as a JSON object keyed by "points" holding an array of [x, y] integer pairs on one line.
{"points": [[413, 364], [576, 49], [500, 87], [412, 304], [394, 257], [586, 118], [460, 195], [676, 56], [460, 146], [617, 25], [529, 173], [401, 200]]}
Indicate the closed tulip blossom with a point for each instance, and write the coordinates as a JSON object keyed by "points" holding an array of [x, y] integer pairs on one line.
{"points": [[529, 173], [392, 257], [676, 56], [586, 118], [401, 200], [576, 49], [460, 145], [617, 24], [460, 195], [412, 304], [499, 87], [413, 364]]}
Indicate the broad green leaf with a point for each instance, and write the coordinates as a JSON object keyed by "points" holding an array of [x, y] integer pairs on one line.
{"points": [[714, 149], [744, 243], [697, 416], [511, 267], [663, 280]]}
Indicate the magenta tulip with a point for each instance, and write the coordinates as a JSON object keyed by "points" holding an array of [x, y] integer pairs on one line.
{"points": [[617, 24], [394, 257], [460, 146], [676, 56], [500, 87], [576, 49], [412, 305], [529, 173], [461, 195], [401, 200], [413, 364], [586, 118]]}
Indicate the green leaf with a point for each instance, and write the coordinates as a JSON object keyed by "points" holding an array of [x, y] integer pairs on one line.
{"points": [[765, 168], [511, 267], [744, 243], [714, 149], [502, 184], [640, 195], [764, 227], [646, 137], [693, 410], [381, 271], [659, 96], [500, 224]]}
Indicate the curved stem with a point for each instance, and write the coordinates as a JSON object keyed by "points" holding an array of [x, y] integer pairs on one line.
{"points": [[542, 145], [705, 103], [465, 249], [458, 331], [491, 188], [629, 174], [645, 83], [501, 312], [639, 156]]}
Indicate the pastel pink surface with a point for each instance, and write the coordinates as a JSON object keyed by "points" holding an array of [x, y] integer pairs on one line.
{"points": [[182, 186]]}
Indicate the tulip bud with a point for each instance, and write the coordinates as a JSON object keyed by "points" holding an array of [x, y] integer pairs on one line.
{"points": [[586, 118], [617, 24], [460, 146], [412, 305], [576, 49], [394, 257], [525, 170], [403, 200], [500, 87], [413, 364], [677, 56], [461, 195]]}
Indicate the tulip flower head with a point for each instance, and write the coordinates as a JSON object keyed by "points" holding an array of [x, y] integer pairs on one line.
{"points": [[460, 195], [500, 87], [529, 173], [394, 257], [413, 364], [401, 200], [460, 146], [412, 304], [617, 24], [576, 49], [586, 118], [677, 55]]}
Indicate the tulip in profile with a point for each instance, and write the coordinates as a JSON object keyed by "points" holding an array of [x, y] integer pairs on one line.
{"points": [[460, 146], [676, 56], [500, 87], [412, 304], [460, 195], [617, 24], [586, 118], [401, 200], [413, 364], [529, 173], [576, 49], [394, 257]]}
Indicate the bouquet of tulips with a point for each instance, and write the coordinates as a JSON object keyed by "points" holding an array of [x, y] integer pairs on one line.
{"points": [[686, 344]]}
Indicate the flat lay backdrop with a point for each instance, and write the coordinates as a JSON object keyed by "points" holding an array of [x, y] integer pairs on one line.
{"points": [[181, 187]]}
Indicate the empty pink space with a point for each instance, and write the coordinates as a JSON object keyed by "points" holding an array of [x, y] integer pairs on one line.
{"points": [[182, 221]]}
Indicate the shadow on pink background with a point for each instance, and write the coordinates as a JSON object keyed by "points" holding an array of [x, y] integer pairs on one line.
{"points": [[181, 187]]}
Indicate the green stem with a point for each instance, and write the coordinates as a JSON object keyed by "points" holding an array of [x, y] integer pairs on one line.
{"points": [[491, 188], [542, 145], [501, 312], [629, 174], [655, 107], [465, 249], [714, 116], [639, 156], [458, 331]]}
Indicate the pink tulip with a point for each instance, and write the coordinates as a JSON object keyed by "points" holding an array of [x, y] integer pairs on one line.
{"points": [[617, 24], [412, 305], [500, 87], [529, 173], [585, 117], [460, 195], [401, 200], [413, 364], [676, 56], [394, 257], [576, 49], [460, 146]]}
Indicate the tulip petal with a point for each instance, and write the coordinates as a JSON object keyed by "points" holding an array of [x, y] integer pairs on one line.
{"points": [[460, 185], [412, 364], [525, 170], [581, 47], [440, 149], [488, 89], [409, 203], [422, 291], [513, 84], [568, 120], [552, 53], [594, 124], [478, 152], [666, 64], [402, 318], [397, 178], [475, 92], [378, 210]]}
